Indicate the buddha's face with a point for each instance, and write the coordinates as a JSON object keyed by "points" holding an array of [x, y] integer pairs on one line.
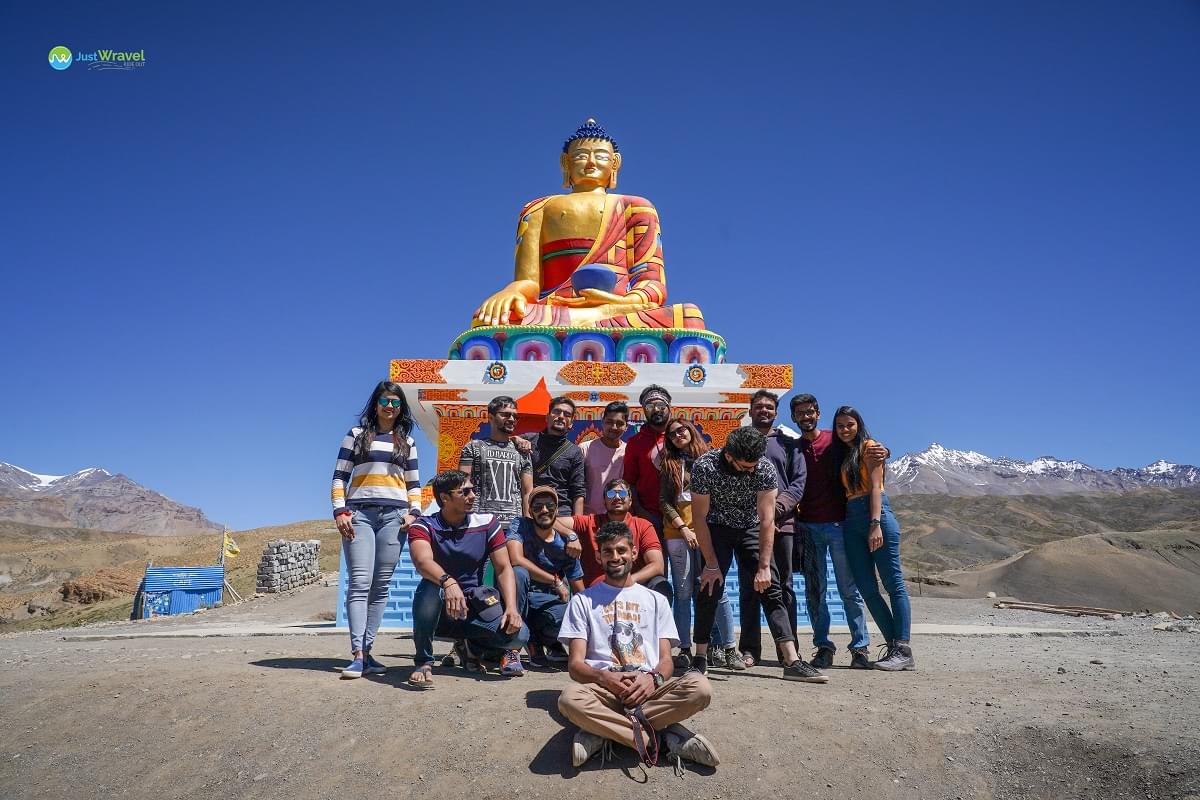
{"points": [[590, 164]]}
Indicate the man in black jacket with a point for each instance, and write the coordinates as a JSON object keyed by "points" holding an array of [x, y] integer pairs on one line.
{"points": [[557, 461]]}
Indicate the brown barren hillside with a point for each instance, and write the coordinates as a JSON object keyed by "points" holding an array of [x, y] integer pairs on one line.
{"points": [[35, 562]]}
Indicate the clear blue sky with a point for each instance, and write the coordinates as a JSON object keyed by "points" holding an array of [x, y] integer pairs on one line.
{"points": [[979, 223]]}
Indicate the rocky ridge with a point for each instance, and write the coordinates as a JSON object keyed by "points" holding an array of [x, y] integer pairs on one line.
{"points": [[94, 499]]}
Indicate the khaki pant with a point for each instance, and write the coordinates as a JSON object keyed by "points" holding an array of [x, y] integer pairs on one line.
{"points": [[598, 711]]}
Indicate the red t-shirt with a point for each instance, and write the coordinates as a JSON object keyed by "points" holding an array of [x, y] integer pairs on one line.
{"points": [[824, 498], [586, 525], [642, 458]]}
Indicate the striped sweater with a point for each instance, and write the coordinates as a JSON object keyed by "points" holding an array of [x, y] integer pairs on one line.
{"points": [[375, 480]]}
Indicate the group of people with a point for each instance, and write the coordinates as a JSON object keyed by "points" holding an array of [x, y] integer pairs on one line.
{"points": [[610, 557]]}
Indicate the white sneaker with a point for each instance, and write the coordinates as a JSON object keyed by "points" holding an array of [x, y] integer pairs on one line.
{"points": [[690, 746], [584, 746]]}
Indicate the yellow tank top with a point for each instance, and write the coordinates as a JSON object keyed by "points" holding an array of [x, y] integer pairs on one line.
{"points": [[864, 474]]}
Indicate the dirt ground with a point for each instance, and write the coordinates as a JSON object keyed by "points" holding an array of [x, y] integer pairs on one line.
{"points": [[1109, 711]]}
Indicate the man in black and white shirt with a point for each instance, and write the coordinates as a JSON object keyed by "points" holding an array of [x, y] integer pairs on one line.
{"points": [[733, 511], [502, 474]]}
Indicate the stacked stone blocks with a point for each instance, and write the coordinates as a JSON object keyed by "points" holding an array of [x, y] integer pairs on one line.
{"points": [[288, 565]]}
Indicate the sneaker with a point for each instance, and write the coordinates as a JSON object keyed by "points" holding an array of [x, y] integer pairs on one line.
{"points": [[798, 670], [899, 657], [510, 664], [354, 669], [699, 664], [371, 666], [537, 655], [716, 656], [683, 661], [733, 660], [859, 659], [690, 746], [584, 746], [823, 658], [556, 653]]}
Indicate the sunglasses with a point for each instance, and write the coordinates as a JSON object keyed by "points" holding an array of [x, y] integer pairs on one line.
{"points": [[394, 402], [613, 494], [678, 432], [538, 505], [464, 491]]}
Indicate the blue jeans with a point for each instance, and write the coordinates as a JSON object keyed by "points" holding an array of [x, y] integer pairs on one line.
{"points": [[429, 619], [685, 577], [539, 605], [894, 622], [370, 561], [824, 540]]}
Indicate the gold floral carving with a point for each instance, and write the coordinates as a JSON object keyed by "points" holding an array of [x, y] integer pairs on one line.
{"points": [[418, 370], [766, 376], [456, 425], [728, 397], [597, 373], [450, 395]]}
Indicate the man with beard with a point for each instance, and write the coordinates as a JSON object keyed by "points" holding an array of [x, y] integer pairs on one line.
{"points": [[544, 573], [450, 549], [642, 454], [604, 457], [649, 568], [619, 635], [557, 461], [500, 472], [820, 526], [733, 510], [783, 452]]}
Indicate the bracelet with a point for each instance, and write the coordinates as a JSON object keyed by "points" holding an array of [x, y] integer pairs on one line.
{"points": [[712, 569], [876, 522]]}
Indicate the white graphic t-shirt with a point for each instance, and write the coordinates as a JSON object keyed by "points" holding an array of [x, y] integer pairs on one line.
{"points": [[621, 625]]}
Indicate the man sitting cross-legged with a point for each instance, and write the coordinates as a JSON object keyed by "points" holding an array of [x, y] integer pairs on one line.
{"points": [[450, 549], [544, 563], [620, 635]]}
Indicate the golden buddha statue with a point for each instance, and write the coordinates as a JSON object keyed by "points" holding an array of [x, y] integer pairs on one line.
{"points": [[588, 258]]}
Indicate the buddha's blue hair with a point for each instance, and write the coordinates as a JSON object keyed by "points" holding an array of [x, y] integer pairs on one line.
{"points": [[591, 130]]}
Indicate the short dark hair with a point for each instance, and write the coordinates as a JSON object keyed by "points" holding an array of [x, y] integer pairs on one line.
{"points": [[764, 394], [802, 399], [655, 388], [561, 400], [616, 407], [610, 531], [500, 402], [446, 482], [745, 444], [617, 482]]}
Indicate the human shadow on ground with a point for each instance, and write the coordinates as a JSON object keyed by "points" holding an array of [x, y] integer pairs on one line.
{"points": [[555, 756], [315, 663]]}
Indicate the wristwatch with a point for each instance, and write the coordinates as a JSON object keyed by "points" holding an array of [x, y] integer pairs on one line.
{"points": [[571, 537], [659, 680], [445, 577], [876, 522]]}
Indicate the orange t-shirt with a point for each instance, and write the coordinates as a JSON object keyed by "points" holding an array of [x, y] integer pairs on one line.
{"points": [[864, 473]]}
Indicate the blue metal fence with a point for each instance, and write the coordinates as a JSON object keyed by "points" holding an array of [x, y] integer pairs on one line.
{"points": [[398, 614]]}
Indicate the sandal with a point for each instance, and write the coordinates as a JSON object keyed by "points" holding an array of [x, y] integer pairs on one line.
{"points": [[422, 677], [748, 660]]}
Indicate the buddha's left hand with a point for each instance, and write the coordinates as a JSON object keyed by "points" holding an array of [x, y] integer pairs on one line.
{"points": [[589, 298]]}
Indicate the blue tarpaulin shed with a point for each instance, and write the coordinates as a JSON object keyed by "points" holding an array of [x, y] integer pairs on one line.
{"points": [[166, 591]]}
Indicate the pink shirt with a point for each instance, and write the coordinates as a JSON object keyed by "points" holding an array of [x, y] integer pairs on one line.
{"points": [[601, 464]]}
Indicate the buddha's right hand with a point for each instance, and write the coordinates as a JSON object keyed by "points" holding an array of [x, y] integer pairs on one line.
{"points": [[505, 304]]}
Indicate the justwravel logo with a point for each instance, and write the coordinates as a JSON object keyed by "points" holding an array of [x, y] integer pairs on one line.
{"points": [[61, 57]]}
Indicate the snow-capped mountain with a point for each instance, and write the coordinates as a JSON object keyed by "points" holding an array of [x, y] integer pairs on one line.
{"points": [[95, 499], [940, 470]]}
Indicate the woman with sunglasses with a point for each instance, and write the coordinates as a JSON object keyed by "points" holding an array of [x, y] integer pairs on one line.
{"points": [[872, 538], [375, 491], [682, 445]]}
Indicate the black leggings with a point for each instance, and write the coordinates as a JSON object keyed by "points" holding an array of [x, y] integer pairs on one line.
{"points": [[728, 542]]}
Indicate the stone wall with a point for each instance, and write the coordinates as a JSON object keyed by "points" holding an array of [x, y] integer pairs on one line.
{"points": [[287, 565]]}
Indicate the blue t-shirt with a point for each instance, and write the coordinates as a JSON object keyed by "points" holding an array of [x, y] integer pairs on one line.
{"points": [[550, 556], [462, 551]]}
